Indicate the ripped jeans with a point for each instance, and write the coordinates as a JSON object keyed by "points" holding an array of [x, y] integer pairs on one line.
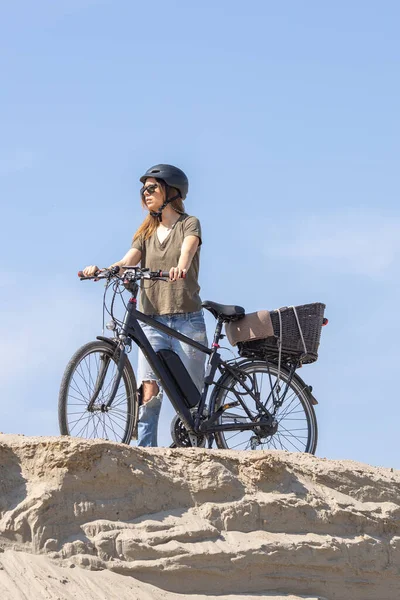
{"points": [[190, 324]]}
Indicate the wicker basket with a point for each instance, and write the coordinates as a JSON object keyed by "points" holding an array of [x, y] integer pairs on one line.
{"points": [[310, 317]]}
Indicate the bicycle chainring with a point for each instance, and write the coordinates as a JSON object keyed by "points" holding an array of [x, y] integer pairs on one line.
{"points": [[180, 435]]}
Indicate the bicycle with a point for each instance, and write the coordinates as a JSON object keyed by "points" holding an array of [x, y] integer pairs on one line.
{"points": [[254, 403]]}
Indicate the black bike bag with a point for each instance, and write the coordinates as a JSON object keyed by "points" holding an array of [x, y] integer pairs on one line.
{"points": [[181, 377]]}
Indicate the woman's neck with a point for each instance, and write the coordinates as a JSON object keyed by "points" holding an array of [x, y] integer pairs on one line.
{"points": [[169, 217]]}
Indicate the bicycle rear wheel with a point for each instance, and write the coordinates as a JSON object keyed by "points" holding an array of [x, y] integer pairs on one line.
{"points": [[77, 387], [296, 428]]}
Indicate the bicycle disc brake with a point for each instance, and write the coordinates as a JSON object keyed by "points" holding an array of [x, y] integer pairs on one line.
{"points": [[182, 438]]}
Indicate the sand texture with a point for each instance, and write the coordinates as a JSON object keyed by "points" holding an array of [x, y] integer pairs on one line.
{"points": [[93, 519]]}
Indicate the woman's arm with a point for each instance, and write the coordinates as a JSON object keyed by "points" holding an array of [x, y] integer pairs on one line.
{"points": [[131, 259], [188, 250]]}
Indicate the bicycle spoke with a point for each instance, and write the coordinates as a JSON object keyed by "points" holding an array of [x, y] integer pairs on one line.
{"points": [[285, 411], [104, 426], [81, 376], [287, 438], [93, 383], [78, 421], [95, 426], [89, 390], [78, 391], [110, 384], [273, 442], [111, 426], [84, 427], [233, 436], [289, 433], [83, 401], [240, 444], [294, 446], [121, 400], [281, 443], [116, 419]]}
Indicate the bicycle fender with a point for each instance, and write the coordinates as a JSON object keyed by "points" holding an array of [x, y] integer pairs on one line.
{"points": [[309, 389], [110, 341], [313, 399]]}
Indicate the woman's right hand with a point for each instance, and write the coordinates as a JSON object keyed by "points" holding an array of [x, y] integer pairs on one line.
{"points": [[90, 271]]}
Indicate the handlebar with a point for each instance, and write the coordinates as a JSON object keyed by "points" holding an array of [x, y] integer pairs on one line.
{"points": [[132, 272]]}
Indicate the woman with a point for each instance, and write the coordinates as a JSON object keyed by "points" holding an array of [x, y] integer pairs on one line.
{"points": [[169, 240]]}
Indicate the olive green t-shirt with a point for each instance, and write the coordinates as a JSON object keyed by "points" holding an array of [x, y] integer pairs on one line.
{"points": [[171, 297]]}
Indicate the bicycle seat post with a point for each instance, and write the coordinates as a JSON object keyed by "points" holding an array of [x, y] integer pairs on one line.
{"points": [[213, 358], [218, 334]]}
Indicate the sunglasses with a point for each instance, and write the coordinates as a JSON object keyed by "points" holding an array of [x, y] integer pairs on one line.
{"points": [[149, 189]]}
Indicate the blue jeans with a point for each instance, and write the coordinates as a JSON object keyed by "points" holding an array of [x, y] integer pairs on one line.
{"points": [[190, 324]]}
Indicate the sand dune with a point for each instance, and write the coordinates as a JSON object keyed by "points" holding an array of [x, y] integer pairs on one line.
{"points": [[84, 520]]}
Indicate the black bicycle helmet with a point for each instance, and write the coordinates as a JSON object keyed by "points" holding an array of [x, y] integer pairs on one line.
{"points": [[172, 176]]}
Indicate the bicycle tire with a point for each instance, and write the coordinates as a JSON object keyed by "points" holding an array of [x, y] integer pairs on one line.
{"points": [[283, 439], [116, 424]]}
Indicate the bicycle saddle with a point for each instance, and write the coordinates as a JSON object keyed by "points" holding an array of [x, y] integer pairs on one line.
{"points": [[225, 311]]}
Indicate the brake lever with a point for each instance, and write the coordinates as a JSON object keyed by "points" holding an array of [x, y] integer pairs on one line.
{"points": [[108, 273], [112, 271]]}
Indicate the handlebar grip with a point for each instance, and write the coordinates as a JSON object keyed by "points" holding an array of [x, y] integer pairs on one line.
{"points": [[113, 270], [80, 274], [166, 274]]}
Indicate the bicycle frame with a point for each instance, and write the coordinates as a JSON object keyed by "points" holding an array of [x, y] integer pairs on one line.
{"points": [[131, 329]]}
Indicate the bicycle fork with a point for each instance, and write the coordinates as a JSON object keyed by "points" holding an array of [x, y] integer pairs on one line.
{"points": [[105, 363]]}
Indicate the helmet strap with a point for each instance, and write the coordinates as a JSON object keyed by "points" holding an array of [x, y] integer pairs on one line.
{"points": [[158, 213]]}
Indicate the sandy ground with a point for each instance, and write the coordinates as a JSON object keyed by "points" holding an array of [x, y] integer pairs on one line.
{"points": [[92, 519], [24, 576]]}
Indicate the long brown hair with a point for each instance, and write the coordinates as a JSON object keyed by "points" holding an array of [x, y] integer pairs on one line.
{"points": [[150, 224]]}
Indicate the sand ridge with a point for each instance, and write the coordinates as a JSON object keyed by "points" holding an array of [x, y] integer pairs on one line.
{"points": [[196, 523]]}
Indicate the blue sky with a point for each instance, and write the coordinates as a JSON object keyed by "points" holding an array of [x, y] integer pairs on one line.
{"points": [[285, 118]]}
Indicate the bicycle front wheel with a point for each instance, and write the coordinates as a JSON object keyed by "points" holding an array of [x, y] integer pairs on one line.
{"points": [[295, 427], [93, 363]]}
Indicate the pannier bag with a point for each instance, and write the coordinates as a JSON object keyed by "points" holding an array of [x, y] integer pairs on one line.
{"points": [[254, 326], [297, 327], [174, 365]]}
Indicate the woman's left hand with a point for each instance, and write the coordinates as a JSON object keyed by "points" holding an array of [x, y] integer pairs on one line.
{"points": [[177, 273]]}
